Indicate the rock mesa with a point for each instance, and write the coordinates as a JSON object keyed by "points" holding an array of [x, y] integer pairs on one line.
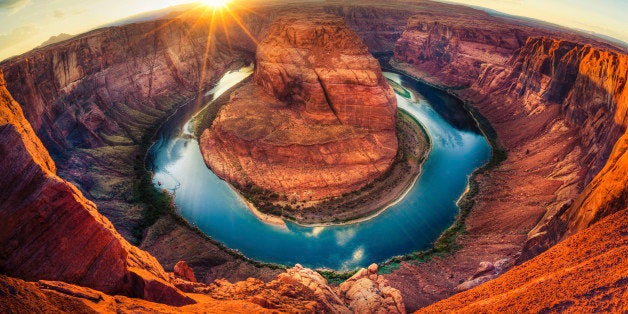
{"points": [[318, 120]]}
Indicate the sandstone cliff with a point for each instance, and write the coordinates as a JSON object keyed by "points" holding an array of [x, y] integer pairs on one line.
{"points": [[298, 290], [588, 86], [558, 108], [556, 86], [319, 121], [546, 168], [50, 231]]}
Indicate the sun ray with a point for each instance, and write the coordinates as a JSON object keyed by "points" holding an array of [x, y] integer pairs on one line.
{"points": [[226, 30], [246, 30], [199, 95]]}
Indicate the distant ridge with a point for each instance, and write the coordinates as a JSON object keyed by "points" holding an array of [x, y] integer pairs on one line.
{"points": [[55, 39]]}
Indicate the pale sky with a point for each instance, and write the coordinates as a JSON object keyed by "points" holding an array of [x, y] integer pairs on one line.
{"points": [[25, 24], [607, 17]]}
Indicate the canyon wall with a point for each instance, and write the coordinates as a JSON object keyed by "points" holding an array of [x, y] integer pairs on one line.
{"points": [[53, 235], [588, 86], [89, 91], [92, 99], [50, 231], [550, 157], [555, 89], [557, 104]]}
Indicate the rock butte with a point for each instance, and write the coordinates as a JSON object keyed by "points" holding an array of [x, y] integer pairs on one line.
{"points": [[318, 121], [557, 101]]}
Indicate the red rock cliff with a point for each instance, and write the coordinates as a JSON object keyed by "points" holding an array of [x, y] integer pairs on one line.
{"points": [[319, 120], [109, 82], [587, 84], [557, 104], [50, 231], [559, 90], [103, 90]]}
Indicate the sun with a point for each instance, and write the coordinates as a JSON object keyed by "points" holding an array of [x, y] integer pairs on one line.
{"points": [[215, 3]]}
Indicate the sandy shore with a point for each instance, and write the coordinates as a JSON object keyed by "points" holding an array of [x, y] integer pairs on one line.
{"points": [[265, 218]]}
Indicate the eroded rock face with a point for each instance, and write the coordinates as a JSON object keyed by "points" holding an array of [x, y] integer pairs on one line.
{"points": [[50, 231], [367, 292], [588, 84], [557, 103], [319, 121], [182, 270], [561, 91], [298, 289], [320, 66]]}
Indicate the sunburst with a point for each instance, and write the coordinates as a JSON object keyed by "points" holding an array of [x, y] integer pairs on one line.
{"points": [[216, 4]]}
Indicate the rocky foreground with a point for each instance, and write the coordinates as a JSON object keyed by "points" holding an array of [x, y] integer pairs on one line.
{"points": [[318, 121]]}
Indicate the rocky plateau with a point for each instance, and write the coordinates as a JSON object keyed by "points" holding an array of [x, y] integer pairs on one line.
{"points": [[318, 121]]}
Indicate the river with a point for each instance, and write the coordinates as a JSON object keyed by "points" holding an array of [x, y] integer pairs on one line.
{"points": [[414, 223]]}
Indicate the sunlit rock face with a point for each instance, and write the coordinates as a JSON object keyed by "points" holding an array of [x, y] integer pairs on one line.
{"points": [[51, 231], [318, 120]]}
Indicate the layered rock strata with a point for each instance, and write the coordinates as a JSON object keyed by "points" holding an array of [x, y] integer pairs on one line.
{"points": [[50, 231], [530, 173], [52, 234], [319, 120], [558, 108]]}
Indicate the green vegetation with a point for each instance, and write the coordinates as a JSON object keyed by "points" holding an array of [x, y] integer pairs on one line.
{"points": [[399, 89], [335, 277], [389, 268], [158, 204]]}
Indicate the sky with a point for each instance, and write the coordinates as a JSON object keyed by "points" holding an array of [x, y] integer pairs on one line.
{"points": [[607, 17], [25, 24]]}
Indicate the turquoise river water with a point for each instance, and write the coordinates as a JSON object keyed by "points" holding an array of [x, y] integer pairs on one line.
{"points": [[412, 224]]}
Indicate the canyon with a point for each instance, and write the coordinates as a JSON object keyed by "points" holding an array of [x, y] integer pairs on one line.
{"points": [[555, 102]]}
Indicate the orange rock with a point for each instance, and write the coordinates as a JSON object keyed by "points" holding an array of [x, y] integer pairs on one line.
{"points": [[557, 102], [319, 120], [585, 273], [366, 292], [181, 269]]}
